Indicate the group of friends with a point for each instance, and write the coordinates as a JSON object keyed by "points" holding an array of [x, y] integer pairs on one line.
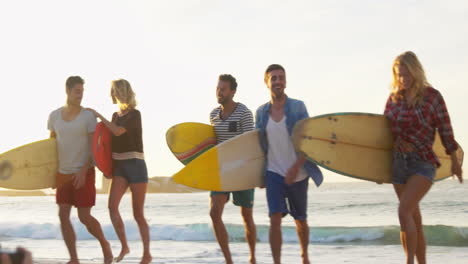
{"points": [[416, 110]]}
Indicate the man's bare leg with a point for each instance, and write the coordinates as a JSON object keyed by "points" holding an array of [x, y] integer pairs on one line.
{"points": [[276, 238], [94, 228], [250, 231], [67, 232], [216, 212], [302, 229]]}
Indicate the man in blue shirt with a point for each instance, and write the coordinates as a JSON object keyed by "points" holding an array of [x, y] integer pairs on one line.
{"points": [[287, 172]]}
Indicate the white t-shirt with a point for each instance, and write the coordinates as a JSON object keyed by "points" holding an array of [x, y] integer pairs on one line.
{"points": [[281, 153], [72, 139]]}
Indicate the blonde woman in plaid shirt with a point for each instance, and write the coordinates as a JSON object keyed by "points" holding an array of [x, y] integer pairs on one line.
{"points": [[415, 111]]}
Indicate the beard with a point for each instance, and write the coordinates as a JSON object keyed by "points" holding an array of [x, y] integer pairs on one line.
{"points": [[222, 100], [278, 92]]}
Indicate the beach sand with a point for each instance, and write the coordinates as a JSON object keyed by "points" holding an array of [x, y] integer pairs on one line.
{"points": [[209, 253]]}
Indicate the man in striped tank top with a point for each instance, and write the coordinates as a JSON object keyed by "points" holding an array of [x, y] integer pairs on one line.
{"points": [[231, 119]]}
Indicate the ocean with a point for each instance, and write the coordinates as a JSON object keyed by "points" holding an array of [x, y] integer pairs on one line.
{"points": [[352, 222]]}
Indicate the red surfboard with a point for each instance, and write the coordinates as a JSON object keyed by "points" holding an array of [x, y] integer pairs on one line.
{"points": [[102, 149]]}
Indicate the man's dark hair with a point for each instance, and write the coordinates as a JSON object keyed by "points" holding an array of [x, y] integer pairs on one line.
{"points": [[72, 81], [271, 68], [229, 78]]}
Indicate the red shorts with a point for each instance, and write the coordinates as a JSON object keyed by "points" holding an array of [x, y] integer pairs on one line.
{"points": [[83, 197]]}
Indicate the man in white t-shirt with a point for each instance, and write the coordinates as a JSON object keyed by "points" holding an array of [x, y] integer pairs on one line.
{"points": [[73, 127]]}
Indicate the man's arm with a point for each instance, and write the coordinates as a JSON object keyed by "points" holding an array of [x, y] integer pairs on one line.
{"points": [[294, 170], [301, 159], [247, 122], [90, 162], [303, 113], [257, 118]]}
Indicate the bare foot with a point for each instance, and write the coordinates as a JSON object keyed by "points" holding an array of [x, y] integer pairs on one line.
{"points": [[305, 261], [74, 261], [253, 260], [107, 252], [123, 252], [146, 259]]}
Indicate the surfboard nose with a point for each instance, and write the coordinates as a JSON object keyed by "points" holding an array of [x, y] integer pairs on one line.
{"points": [[202, 172], [170, 136]]}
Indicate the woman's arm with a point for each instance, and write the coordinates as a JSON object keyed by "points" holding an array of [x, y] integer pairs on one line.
{"points": [[115, 129]]}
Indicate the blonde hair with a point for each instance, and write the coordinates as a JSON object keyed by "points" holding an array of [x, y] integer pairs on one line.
{"points": [[122, 94], [416, 70]]}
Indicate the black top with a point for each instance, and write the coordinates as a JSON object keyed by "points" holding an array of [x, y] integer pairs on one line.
{"points": [[132, 139]]}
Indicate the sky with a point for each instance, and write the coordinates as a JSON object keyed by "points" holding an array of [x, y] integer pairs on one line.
{"points": [[337, 56]]}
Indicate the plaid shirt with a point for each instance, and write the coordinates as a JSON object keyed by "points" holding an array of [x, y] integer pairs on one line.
{"points": [[417, 125]]}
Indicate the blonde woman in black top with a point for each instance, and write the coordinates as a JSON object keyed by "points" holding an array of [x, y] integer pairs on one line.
{"points": [[129, 167]]}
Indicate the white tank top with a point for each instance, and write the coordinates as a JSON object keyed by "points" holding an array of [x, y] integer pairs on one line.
{"points": [[281, 154]]}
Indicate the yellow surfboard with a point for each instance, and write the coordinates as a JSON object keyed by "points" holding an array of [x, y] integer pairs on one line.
{"points": [[357, 145], [189, 140], [234, 165], [167, 185], [29, 167]]}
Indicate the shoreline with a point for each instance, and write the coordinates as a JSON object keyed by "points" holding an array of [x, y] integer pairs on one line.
{"points": [[209, 253]]}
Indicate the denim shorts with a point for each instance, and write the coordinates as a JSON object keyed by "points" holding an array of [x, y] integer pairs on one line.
{"points": [[284, 198], [133, 170], [406, 165]]}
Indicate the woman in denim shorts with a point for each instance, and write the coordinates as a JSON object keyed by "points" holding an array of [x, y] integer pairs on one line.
{"points": [[415, 111], [129, 167]]}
